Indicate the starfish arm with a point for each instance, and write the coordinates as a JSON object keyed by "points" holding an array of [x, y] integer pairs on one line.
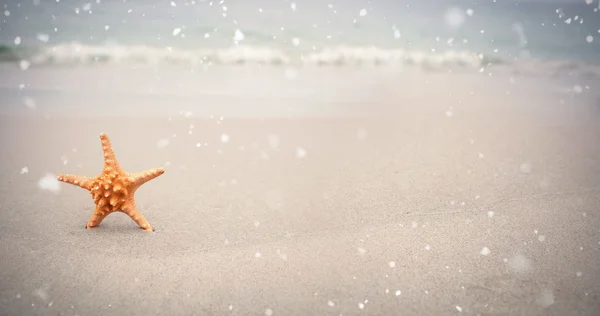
{"points": [[110, 160], [137, 179], [132, 211], [96, 218], [83, 182]]}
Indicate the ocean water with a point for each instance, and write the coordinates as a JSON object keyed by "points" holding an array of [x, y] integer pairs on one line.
{"points": [[301, 57], [473, 34]]}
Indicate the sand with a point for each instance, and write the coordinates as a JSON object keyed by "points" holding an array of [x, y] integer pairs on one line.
{"points": [[492, 209]]}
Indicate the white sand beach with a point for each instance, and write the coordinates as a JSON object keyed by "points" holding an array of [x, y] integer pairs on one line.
{"points": [[374, 192]]}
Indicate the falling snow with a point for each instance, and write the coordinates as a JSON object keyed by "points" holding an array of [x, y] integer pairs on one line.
{"points": [[162, 143], [238, 36], [49, 183], [520, 264], [43, 37], [24, 64], [454, 17], [29, 103], [224, 138], [300, 152]]}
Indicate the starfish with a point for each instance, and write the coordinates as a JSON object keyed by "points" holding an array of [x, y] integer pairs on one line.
{"points": [[114, 188]]}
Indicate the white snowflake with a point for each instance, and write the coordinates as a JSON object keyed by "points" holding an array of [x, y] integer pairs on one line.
{"points": [[330, 304], [162, 143], [362, 12], [458, 308], [49, 183], [268, 312], [485, 251], [520, 264], [176, 31], [29, 103], [17, 40], [24, 64], [43, 37], [300, 152], [224, 138], [392, 264], [295, 41], [454, 17], [24, 170], [238, 36], [398, 292], [589, 38]]}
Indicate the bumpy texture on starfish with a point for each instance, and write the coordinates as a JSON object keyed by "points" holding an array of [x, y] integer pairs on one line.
{"points": [[114, 188]]}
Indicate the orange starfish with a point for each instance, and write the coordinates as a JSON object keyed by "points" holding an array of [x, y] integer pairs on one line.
{"points": [[114, 188]]}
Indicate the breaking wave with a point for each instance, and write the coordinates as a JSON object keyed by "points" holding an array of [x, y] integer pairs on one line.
{"points": [[80, 54]]}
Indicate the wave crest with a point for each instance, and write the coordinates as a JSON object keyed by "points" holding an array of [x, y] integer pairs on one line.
{"points": [[81, 54], [76, 53]]}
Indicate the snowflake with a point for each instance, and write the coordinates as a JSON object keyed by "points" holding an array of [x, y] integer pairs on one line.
{"points": [[49, 183], [162, 143], [238, 36], [300, 152], [24, 64], [224, 138], [485, 251]]}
